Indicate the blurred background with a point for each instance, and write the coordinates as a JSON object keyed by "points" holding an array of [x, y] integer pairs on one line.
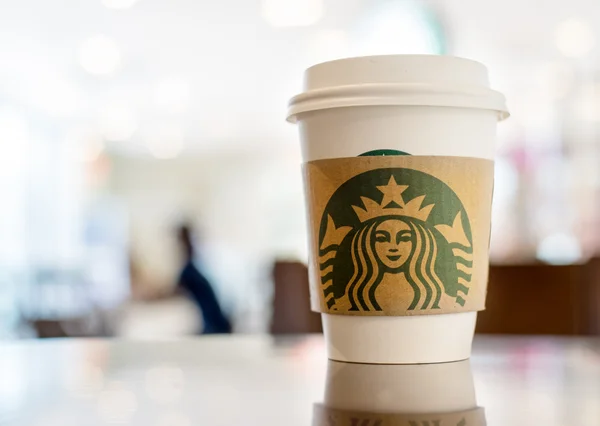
{"points": [[122, 120]]}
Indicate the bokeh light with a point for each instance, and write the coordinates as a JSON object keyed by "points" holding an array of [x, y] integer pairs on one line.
{"points": [[574, 38], [560, 248]]}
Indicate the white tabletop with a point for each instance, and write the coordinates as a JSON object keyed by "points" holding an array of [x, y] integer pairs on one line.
{"points": [[259, 380]]}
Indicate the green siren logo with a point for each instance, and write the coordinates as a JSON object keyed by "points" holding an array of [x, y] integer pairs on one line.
{"points": [[392, 232]]}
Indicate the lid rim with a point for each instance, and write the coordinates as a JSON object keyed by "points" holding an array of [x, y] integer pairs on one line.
{"points": [[400, 88], [292, 116], [398, 94]]}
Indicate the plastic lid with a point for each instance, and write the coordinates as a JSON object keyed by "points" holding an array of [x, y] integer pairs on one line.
{"points": [[426, 80]]}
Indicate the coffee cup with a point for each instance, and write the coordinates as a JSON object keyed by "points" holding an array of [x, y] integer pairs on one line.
{"points": [[398, 158]]}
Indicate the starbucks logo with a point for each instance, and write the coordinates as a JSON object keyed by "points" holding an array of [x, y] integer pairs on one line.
{"points": [[394, 233]]}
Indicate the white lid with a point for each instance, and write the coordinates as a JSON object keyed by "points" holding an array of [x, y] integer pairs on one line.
{"points": [[426, 80]]}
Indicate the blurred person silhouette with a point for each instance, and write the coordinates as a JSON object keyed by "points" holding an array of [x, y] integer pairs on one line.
{"points": [[193, 281]]}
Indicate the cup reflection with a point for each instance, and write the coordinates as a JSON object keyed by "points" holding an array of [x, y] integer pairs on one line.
{"points": [[399, 395]]}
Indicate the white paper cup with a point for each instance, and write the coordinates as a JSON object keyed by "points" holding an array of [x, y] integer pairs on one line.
{"points": [[418, 104]]}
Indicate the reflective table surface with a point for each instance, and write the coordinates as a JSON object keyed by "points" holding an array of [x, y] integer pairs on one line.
{"points": [[260, 380]]}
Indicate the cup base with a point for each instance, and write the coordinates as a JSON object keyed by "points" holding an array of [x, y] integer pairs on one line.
{"points": [[419, 339]]}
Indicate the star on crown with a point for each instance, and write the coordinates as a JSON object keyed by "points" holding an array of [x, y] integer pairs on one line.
{"points": [[393, 204]]}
